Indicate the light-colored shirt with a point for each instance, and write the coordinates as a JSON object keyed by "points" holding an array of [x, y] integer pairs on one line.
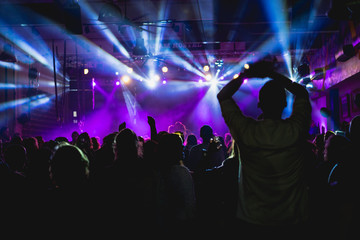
{"points": [[272, 186]]}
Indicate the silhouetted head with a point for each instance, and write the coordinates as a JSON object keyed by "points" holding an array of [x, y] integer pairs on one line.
{"points": [[170, 150], [126, 144], [5, 134], [272, 99], [354, 129], [191, 140], [74, 136], [95, 143], [206, 133], [84, 141], [337, 147], [69, 166], [15, 156]]}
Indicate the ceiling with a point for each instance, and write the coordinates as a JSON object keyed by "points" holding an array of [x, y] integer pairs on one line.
{"points": [[225, 27]]}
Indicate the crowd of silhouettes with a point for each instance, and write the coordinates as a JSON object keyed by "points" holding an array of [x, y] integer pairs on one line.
{"points": [[175, 182]]}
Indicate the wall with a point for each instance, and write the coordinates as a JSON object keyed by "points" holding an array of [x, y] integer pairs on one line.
{"points": [[341, 80]]}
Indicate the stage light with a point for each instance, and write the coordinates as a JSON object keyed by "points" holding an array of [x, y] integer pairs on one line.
{"points": [[117, 83], [200, 81], [164, 69], [245, 80], [86, 71], [110, 13], [303, 70], [305, 81], [164, 82], [139, 48], [347, 52], [206, 68], [151, 84], [219, 63], [235, 76], [93, 83], [318, 74], [125, 79], [116, 73], [130, 70], [246, 66], [155, 77], [208, 77], [339, 10]]}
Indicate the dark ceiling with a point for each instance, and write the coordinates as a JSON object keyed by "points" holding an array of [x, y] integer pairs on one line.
{"points": [[215, 20]]}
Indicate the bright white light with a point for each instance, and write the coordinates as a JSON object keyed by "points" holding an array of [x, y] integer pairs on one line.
{"points": [[116, 73], [164, 69], [206, 68], [151, 84], [246, 66], [155, 77], [164, 82], [208, 77], [86, 71], [117, 83], [125, 79], [130, 70], [245, 80], [235, 76], [200, 81]]}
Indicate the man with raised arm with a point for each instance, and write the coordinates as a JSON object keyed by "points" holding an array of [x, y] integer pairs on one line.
{"points": [[273, 198]]}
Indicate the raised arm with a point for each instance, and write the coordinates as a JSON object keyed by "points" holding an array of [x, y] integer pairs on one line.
{"points": [[153, 131], [230, 89], [293, 87], [261, 70]]}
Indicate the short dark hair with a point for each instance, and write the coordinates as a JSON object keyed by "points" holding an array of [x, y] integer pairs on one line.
{"points": [[272, 95]]}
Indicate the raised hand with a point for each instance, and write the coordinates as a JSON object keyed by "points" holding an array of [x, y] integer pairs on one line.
{"points": [[151, 121], [259, 69], [122, 126]]}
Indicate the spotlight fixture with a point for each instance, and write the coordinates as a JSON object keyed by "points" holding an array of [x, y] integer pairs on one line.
{"points": [[139, 48], [164, 69], [206, 68], [125, 79], [303, 70], [318, 74], [347, 52], [339, 10], [110, 13], [305, 81], [246, 66], [130, 70], [86, 71], [208, 77], [219, 63]]}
